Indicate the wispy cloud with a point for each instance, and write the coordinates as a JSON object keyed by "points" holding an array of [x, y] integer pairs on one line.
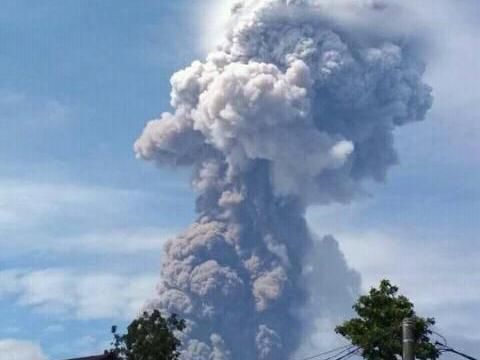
{"points": [[11, 349], [127, 241], [25, 111], [28, 203], [69, 294], [67, 217], [436, 274]]}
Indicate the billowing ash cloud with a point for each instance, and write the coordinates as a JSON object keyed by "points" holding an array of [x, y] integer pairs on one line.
{"points": [[298, 106]]}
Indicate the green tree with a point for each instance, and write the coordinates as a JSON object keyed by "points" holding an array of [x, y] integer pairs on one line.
{"points": [[377, 331], [150, 337]]}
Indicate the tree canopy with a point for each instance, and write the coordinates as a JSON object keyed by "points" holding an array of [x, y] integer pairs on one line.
{"points": [[150, 337], [377, 331]]}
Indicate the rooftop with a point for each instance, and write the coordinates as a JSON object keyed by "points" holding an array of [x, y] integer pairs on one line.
{"points": [[97, 357]]}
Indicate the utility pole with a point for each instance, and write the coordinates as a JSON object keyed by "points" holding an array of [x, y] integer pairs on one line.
{"points": [[408, 326]]}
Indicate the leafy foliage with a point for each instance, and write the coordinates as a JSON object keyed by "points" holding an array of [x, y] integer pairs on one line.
{"points": [[377, 330], [150, 337]]}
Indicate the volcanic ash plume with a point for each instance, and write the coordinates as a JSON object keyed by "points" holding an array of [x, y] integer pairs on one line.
{"points": [[298, 106]]}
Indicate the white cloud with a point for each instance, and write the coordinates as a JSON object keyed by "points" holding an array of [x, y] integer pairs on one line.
{"points": [[31, 112], [11, 349], [83, 346], [127, 241], [439, 276], [28, 204], [69, 294], [59, 218]]}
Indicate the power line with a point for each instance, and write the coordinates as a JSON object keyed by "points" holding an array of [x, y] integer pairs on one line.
{"points": [[459, 353], [338, 351], [337, 356], [445, 342], [341, 355], [343, 348], [347, 351], [445, 348], [348, 355]]}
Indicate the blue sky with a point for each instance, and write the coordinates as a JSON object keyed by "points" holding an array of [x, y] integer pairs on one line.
{"points": [[82, 222], [78, 82]]}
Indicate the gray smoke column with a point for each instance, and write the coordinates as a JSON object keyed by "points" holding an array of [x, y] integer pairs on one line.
{"points": [[298, 106]]}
